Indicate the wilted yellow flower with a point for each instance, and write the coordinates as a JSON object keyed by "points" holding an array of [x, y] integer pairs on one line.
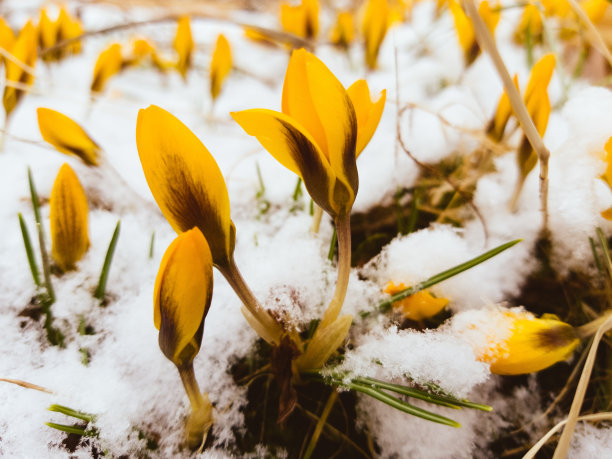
{"points": [[24, 51], [465, 29], [68, 214], [109, 63], [418, 306], [67, 136], [183, 45], [514, 341], [183, 291], [376, 22], [220, 65], [301, 20], [185, 180], [316, 134], [343, 32]]}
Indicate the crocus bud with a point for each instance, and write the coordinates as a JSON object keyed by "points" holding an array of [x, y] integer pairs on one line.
{"points": [[108, 64], [67, 136], [24, 51], [514, 341], [68, 215], [183, 290], [183, 45], [220, 66]]}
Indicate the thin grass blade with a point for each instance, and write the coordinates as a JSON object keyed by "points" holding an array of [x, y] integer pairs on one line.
{"points": [[27, 242], [101, 289]]}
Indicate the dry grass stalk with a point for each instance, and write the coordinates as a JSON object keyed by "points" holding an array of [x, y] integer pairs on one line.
{"points": [[486, 42], [596, 39], [26, 384]]}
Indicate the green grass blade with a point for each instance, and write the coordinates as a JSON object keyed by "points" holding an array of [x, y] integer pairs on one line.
{"points": [[297, 192], [605, 249], [68, 429], [332, 245], [72, 413], [386, 305], [443, 400], [401, 405], [596, 259], [41, 241], [27, 242], [101, 289]]}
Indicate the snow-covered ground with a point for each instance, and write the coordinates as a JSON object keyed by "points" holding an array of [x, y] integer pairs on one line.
{"points": [[131, 386]]}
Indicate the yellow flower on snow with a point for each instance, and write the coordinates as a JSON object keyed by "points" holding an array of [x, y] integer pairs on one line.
{"points": [[68, 215], [67, 136], [183, 45], [317, 134], [376, 22], [109, 63], [301, 20], [418, 306], [220, 66], [24, 51], [514, 341]]}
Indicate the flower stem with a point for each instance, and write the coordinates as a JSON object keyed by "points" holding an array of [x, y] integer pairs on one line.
{"points": [[343, 228], [316, 219], [191, 387], [236, 281]]}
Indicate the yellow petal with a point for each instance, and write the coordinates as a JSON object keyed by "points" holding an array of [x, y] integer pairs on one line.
{"points": [[311, 8], [68, 214], [184, 179], [109, 63], [7, 37], [374, 28], [530, 25], [608, 150], [335, 110], [343, 32], [595, 9], [490, 15], [368, 113], [24, 51], [182, 295], [607, 214], [498, 124], [294, 148], [533, 345], [297, 98], [540, 77], [465, 32], [183, 45], [220, 65], [67, 136], [301, 20], [47, 30], [418, 306], [69, 28]]}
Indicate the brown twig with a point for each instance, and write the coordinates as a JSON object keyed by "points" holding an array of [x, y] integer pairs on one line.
{"points": [[487, 43]]}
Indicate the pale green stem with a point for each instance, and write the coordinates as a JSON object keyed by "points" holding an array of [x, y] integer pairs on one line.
{"points": [[316, 219], [191, 387], [320, 424], [236, 281], [343, 228]]}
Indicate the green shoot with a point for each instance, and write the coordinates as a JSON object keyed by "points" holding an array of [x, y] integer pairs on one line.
{"points": [[70, 429], [72, 413], [386, 305], [263, 204], [297, 192], [29, 250], [152, 245], [414, 212], [101, 289]]}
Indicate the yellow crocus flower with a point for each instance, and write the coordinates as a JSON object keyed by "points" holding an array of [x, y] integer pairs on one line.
{"points": [[48, 33], [497, 125], [220, 66], [109, 63], [183, 45], [67, 136], [531, 25], [343, 33], [376, 22], [183, 291], [69, 28], [181, 299], [418, 306], [465, 29], [301, 20], [519, 343], [24, 51], [315, 136], [185, 180], [68, 214]]}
